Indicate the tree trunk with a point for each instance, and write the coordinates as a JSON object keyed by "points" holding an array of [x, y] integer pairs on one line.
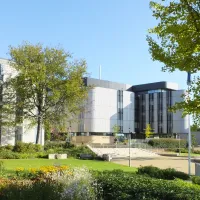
{"points": [[39, 124]]}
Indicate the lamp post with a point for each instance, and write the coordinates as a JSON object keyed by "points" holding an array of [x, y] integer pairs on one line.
{"points": [[129, 148], [189, 131], [179, 144]]}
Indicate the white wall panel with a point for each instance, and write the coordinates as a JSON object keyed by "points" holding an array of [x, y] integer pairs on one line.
{"points": [[155, 113], [164, 112], [147, 108], [180, 125]]}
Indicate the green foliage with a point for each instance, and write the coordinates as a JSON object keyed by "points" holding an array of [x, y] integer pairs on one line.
{"points": [[57, 144], [167, 174], [123, 185], [6, 147], [70, 149], [196, 180], [53, 86], [148, 131], [178, 45], [7, 154], [194, 141], [22, 147], [194, 127], [29, 150], [167, 143], [38, 190], [116, 129]]}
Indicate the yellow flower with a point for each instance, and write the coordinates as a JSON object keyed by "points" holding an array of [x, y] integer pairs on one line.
{"points": [[19, 169], [33, 170]]}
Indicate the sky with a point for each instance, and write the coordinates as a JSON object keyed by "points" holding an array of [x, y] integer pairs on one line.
{"points": [[110, 33]]}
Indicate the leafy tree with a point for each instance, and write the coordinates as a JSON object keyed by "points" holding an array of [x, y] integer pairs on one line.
{"points": [[178, 44], [116, 129], [194, 127], [194, 141], [49, 86], [148, 131]]}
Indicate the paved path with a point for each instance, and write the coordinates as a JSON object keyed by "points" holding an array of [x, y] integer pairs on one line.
{"points": [[178, 163]]}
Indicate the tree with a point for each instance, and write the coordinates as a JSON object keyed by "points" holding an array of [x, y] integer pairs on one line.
{"points": [[178, 44], [194, 128], [116, 129], [148, 131], [49, 85]]}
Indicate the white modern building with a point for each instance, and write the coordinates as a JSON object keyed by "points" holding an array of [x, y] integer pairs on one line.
{"points": [[23, 132], [131, 108], [110, 104]]}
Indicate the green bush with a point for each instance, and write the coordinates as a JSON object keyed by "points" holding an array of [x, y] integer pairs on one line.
{"points": [[124, 186], [71, 151], [57, 144], [167, 143], [196, 180], [37, 190], [168, 174], [22, 147], [6, 154], [6, 147]]}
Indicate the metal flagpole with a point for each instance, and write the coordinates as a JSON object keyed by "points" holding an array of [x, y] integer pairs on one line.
{"points": [[189, 131]]}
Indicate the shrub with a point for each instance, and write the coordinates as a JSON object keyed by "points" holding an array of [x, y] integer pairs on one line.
{"points": [[168, 174], [167, 143], [6, 154], [124, 185], [30, 190], [6, 147], [52, 183], [57, 144], [22, 147], [196, 180]]}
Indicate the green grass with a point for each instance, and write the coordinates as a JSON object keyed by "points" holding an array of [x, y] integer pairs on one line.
{"points": [[11, 164], [192, 154]]}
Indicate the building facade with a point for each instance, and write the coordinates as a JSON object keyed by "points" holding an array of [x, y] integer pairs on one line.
{"points": [[22, 132], [131, 108]]}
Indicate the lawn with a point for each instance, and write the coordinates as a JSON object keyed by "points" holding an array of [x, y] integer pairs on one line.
{"points": [[11, 164]]}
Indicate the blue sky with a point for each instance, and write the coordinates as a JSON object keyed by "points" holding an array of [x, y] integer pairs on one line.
{"points": [[107, 32]]}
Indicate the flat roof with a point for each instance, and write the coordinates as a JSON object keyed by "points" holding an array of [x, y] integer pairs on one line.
{"points": [[134, 88], [107, 84], [155, 86]]}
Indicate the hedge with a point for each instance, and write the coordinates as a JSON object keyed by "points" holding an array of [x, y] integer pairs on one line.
{"points": [[167, 143], [168, 174], [124, 186], [29, 150]]}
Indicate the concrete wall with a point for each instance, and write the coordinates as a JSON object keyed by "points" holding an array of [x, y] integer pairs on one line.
{"points": [[93, 139]]}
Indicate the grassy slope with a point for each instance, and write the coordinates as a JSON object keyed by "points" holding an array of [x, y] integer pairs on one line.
{"points": [[11, 164]]}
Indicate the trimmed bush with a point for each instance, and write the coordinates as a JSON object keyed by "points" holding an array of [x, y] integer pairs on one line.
{"points": [[167, 143], [168, 174], [124, 186]]}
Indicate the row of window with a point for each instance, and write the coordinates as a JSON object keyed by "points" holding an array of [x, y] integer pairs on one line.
{"points": [[140, 111]]}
